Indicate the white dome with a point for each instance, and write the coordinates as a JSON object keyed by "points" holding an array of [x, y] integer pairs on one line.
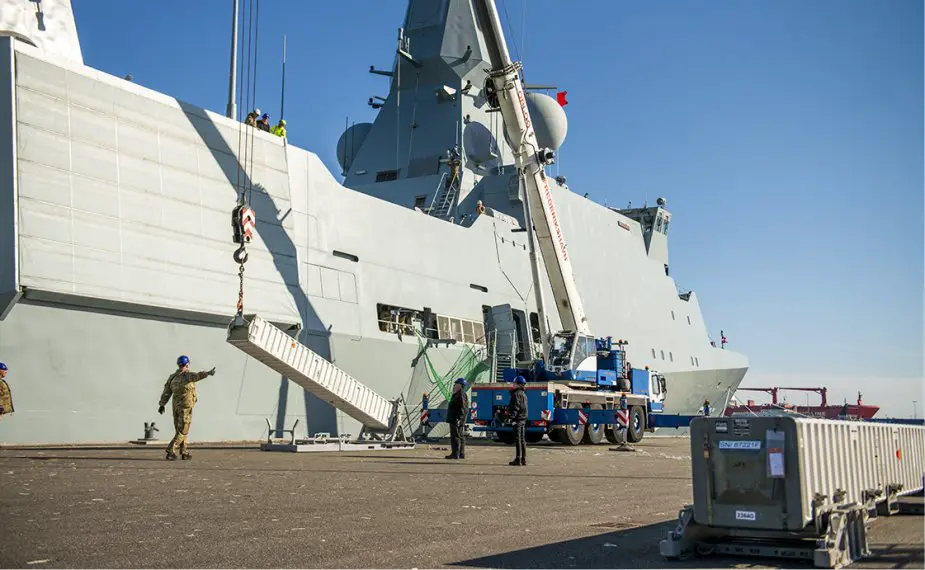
{"points": [[549, 120], [350, 143]]}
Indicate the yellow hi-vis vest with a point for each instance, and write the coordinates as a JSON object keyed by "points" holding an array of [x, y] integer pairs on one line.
{"points": [[279, 131]]}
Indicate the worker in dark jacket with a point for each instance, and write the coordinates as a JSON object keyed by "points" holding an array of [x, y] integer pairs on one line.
{"points": [[517, 412], [456, 413]]}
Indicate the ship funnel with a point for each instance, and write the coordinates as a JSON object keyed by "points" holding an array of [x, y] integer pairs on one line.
{"points": [[46, 24]]}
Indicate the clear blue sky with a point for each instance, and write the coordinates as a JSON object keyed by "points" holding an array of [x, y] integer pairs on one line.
{"points": [[786, 136]]}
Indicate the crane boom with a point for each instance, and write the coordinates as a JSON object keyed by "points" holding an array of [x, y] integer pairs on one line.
{"points": [[505, 91]]}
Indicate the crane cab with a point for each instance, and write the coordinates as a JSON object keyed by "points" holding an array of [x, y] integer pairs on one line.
{"points": [[573, 356]]}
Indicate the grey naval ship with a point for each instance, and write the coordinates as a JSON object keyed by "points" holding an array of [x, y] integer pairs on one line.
{"points": [[116, 251]]}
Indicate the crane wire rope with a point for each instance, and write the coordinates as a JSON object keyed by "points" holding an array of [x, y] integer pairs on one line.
{"points": [[247, 86]]}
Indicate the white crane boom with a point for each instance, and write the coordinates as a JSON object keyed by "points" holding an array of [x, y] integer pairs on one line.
{"points": [[530, 160]]}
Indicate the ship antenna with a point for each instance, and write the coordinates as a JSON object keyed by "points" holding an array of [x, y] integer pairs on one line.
{"points": [[231, 110]]}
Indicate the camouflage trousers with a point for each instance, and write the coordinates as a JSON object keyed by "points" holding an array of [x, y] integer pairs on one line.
{"points": [[181, 421]]}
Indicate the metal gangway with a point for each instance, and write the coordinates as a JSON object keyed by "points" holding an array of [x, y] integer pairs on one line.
{"points": [[385, 422]]}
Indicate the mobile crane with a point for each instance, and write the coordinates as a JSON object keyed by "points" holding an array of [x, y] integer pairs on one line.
{"points": [[583, 388]]}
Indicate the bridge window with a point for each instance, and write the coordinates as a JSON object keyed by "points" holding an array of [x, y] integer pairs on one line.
{"points": [[670, 356], [672, 315], [688, 319], [653, 353], [420, 201], [663, 354], [665, 227]]}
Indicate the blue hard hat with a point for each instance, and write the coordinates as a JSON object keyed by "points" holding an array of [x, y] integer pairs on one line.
{"points": [[461, 381], [520, 380], [183, 360], [3, 366]]}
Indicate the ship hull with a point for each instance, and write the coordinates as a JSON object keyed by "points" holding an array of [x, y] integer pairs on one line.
{"points": [[115, 258]]}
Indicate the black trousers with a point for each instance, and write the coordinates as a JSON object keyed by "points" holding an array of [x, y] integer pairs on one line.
{"points": [[458, 438], [520, 440]]}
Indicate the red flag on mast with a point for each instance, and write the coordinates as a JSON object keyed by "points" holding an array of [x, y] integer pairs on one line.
{"points": [[560, 97]]}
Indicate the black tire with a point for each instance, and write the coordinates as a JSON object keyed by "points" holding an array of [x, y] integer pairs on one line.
{"points": [[506, 437], [533, 436], [611, 434], [637, 425], [594, 433], [571, 434]]}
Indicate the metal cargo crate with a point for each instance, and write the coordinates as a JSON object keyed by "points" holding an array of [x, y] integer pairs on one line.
{"points": [[776, 472]]}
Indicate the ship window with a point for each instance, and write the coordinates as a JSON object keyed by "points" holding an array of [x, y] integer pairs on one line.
{"points": [[460, 330], [481, 288], [697, 360], [420, 201], [386, 175], [663, 354], [672, 315], [653, 353], [468, 332], [692, 360], [658, 223], [670, 356], [688, 319], [665, 227], [348, 256], [535, 327]]}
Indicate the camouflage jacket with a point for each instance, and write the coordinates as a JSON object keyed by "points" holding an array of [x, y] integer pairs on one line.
{"points": [[6, 398], [182, 387]]}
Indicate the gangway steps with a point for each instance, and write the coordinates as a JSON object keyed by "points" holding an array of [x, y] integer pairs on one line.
{"points": [[268, 344]]}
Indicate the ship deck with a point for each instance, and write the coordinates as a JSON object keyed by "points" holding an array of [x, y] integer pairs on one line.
{"points": [[239, 507]]}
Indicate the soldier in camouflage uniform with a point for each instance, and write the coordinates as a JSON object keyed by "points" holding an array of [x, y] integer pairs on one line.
{"points": [[6, 397], [181, 385]]}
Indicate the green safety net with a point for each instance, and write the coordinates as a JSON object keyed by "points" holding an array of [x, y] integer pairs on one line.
{"points": [[471, 364]]}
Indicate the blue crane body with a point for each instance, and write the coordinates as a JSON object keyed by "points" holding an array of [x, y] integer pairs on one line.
{"points": [[574, 406]]}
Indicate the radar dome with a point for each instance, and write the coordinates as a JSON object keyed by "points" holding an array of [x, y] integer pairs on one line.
{"points": [[350, 143], [549, 120]]}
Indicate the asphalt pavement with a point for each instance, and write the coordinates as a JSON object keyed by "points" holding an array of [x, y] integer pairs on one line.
{"points": [[571, 507]]}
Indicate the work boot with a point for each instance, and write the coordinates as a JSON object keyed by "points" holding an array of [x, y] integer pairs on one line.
{"points": [[462, 456], [451, 456], [523, 462], [516, 462], [186, 456], [171, 456]]}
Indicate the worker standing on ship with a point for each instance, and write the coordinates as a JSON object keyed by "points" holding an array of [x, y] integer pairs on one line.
{"points": [[264, 123], [251, 118], [456, 413], [280, 129], [6, 397], [517, 412], [181, 386]]}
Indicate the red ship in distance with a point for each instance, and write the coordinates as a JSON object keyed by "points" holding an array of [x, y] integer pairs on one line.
{"points": [[824, 410]]}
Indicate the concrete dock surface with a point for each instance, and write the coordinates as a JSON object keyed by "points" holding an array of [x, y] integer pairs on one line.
{"points": [[571, 507]]}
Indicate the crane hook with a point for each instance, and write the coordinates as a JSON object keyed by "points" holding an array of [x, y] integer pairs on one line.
{"points": [[240, 255]]}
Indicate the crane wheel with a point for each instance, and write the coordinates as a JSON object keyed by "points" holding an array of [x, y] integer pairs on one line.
{"points": [[637, 425], [594, 433]]}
